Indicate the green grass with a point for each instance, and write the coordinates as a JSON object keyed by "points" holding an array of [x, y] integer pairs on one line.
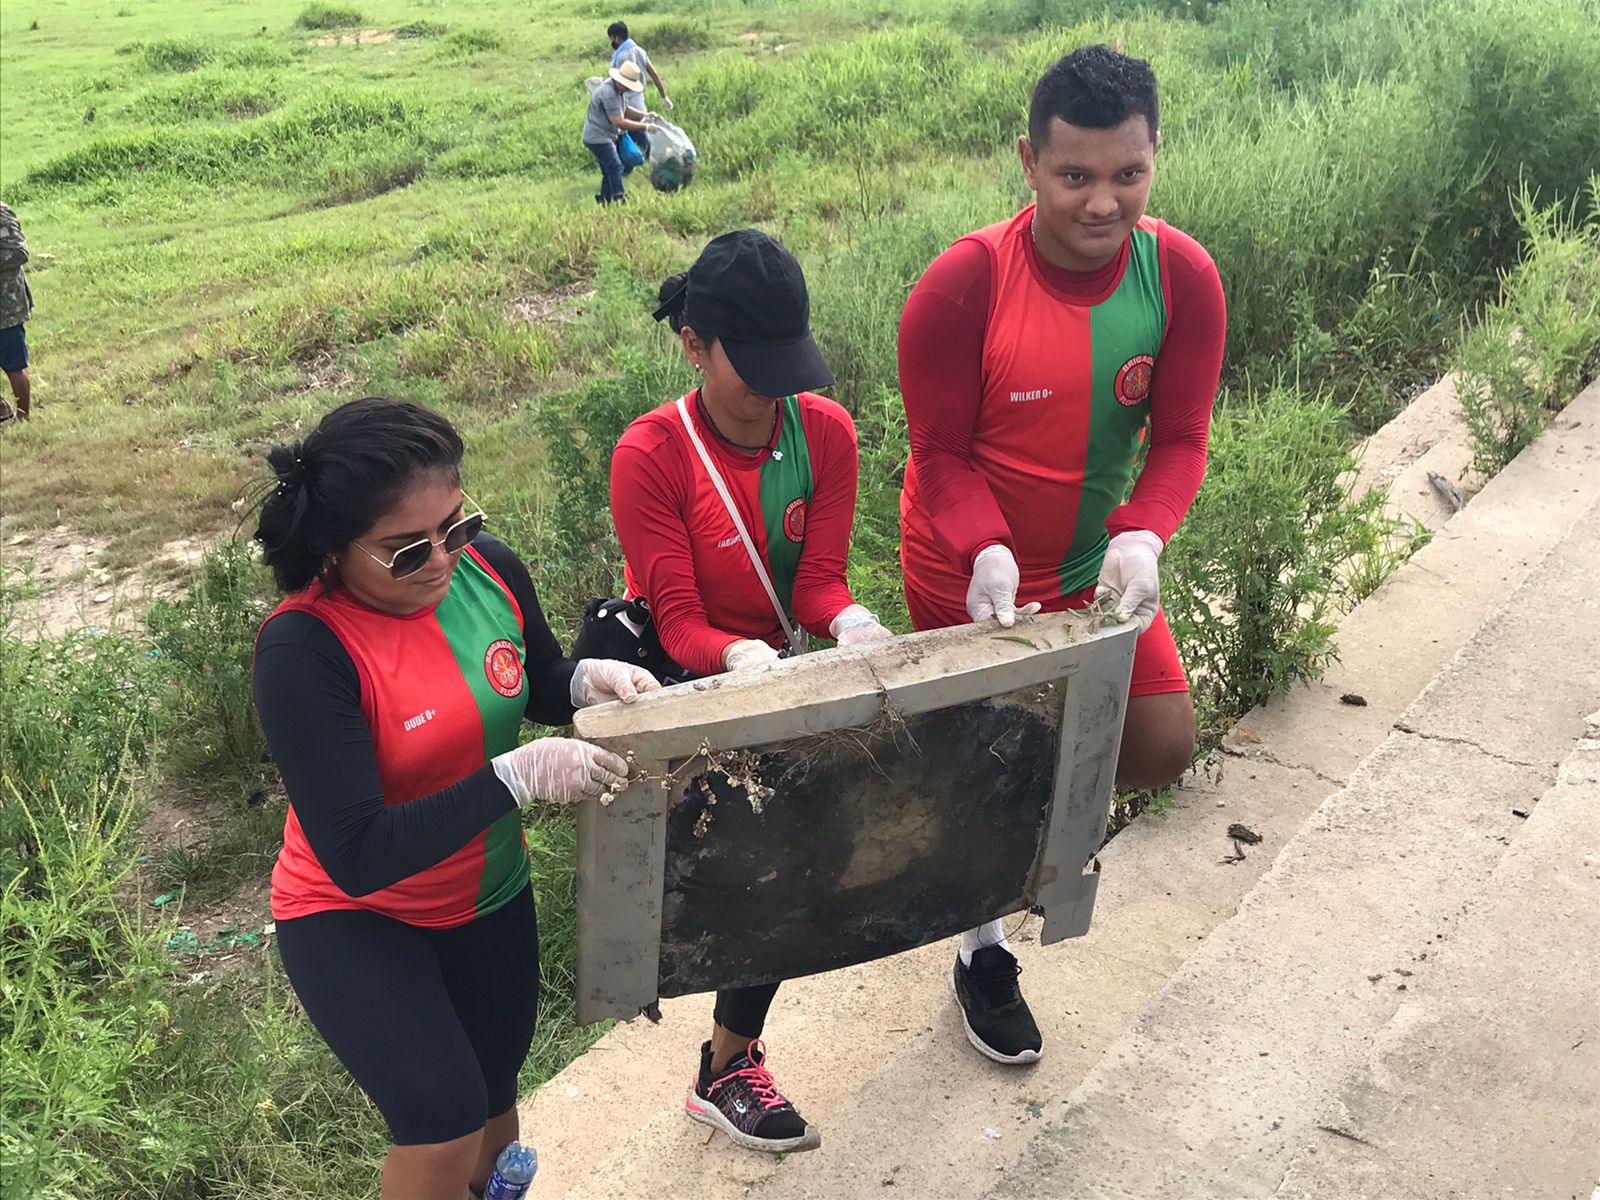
{"points": [[327, 16], [1539, 344], [255, 225]]}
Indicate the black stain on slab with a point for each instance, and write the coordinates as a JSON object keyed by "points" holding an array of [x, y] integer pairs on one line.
{"points": [[869, 844]]}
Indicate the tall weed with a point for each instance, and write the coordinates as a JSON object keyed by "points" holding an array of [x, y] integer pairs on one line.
{"points": [[303, 141], [177, 54], [81, 1005], [78, 722], [1256, 576], [672, 35], [576, 538], [206, 643], [210, 93], [1540, 343]]}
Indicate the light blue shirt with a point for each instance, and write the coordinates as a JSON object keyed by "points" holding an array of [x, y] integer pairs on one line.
{"points": [[631, 51]]}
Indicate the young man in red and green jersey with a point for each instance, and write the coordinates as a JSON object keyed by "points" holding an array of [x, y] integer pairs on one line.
{"points": [[1036, 356]]}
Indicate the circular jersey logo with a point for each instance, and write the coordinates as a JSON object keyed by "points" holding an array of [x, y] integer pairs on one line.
{"points": [[504, 668], [794, 521], [1133, 380]]}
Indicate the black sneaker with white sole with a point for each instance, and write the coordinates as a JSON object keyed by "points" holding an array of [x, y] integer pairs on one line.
{"points": [[743, 1101], [997, 1019]]}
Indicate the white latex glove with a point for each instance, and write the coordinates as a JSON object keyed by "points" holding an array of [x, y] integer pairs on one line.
{"points": [[747, 653], [561, 770], [993, 590], [597, 680], [855, 626], [1130, 577], [667, 104]]}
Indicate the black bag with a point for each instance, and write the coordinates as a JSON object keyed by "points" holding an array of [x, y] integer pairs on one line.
{"points": [[625, 630]]}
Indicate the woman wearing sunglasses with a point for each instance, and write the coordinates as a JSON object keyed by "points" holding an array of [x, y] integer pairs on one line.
{"points": [[392, 683], [733, 506]]}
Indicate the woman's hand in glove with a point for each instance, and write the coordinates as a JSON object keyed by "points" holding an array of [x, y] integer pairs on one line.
{"points": [[747, 653], [855, 626], [596, 680], [560, 770]]}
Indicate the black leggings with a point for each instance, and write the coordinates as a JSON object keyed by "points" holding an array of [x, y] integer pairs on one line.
{"points": [[744, 1010], [432, 1023]]}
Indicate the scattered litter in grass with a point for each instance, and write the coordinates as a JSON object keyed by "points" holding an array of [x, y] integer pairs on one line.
{"points": [[186, 942]]}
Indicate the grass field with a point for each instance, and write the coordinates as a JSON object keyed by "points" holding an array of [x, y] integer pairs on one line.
{"points": [[242, 214]]}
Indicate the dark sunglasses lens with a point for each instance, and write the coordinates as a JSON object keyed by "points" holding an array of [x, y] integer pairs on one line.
{"points": [[411, 560], [463, 532]]}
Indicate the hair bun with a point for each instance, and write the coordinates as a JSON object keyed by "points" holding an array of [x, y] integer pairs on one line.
{"points": [[288, 464], [672, 298]]}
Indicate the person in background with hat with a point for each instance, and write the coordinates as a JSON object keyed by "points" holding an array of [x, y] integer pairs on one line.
{"points": [[625, 49], [605, 117], [787, 459]]}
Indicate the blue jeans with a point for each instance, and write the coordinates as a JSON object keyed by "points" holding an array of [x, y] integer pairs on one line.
{"points": [[605, 153]]}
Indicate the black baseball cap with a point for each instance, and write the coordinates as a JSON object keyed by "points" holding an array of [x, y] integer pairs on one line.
{"points": [[747, 291]]}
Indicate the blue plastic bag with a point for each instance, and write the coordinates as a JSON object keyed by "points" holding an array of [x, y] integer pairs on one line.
{"points": [[629, 151]]}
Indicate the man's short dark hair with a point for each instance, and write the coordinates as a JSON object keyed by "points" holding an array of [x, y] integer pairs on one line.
{"points": [[618, 29], [1097, 88]]}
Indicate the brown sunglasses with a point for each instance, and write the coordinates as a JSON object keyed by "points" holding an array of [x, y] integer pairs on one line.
{"points": [[408, 560]]}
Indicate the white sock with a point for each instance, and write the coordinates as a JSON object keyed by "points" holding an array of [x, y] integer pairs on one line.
{"points": [[991, 934]]}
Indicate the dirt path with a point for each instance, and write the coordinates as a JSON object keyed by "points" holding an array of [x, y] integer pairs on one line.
{"points": [[69, 586]]}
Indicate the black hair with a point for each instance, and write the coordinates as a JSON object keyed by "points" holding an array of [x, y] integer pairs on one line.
{"points": [[338, 480], [617, 29], [1095, 87], [673, 299]]}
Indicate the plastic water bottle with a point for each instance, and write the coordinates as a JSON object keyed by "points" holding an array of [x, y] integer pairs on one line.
{"points": [[513, 1172]]}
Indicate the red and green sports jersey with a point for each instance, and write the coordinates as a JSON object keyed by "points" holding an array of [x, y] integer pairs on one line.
{"points": [[444, 691], [772, 499], [683, 552], [1066, 386]]}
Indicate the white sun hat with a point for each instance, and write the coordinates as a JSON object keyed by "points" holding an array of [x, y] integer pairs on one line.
{"points": [[629, 76]]}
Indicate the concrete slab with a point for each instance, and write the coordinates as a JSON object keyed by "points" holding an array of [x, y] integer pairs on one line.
{"points": [[1487, 1080], [1225, 1074], [854, 1047], [1428, 436], [1277, 1007], [1539, 659], [846, 806]]}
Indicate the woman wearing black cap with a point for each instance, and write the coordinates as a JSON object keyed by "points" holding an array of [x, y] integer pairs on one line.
{"points": [[726, 592]]}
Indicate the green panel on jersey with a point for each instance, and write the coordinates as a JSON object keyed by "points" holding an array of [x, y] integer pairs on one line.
{"points": [[1125, 332], [475, 615], [785, 496]]}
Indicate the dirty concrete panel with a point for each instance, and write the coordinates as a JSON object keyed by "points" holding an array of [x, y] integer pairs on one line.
{"points": [[848, 805]]}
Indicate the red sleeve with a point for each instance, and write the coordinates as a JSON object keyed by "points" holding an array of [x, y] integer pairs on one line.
{"points": [[820, 590], [1181, 393], [941, 381], [649, 487]]}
